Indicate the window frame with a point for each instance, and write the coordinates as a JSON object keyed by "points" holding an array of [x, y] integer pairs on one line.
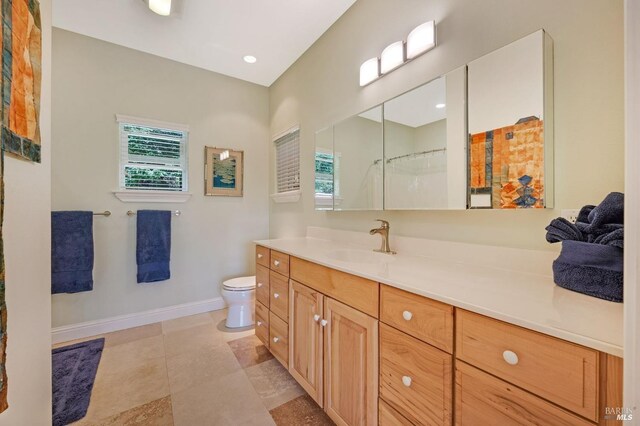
{"points": [[124, 160]]}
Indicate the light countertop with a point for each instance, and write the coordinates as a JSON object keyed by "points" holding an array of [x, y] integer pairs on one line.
{"points": [[518, 296]]}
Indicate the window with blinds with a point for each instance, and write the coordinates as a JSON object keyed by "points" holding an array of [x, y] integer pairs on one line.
{"points": [[152, 157], [288, 162]]}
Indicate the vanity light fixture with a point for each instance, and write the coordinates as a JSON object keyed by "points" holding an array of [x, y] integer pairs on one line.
{"points": [[440, 106], [250, 59], [369, 71], [419, 41], [392, 57], [161, 7]]}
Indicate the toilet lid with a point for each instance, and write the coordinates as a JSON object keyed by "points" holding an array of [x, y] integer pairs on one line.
{"points": [[240, 283]]}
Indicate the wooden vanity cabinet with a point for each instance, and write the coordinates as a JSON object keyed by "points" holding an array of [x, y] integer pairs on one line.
{"points": [[272, 302], [333, 354]]}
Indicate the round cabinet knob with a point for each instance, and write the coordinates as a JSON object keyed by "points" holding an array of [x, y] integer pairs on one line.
{"points": [[510, 357], [276, 262], [259, 323], [276, 339], [276, 295], [316, 317], [407, 315], [406, 380], [259, 285], [324, 322], [259, 255]]}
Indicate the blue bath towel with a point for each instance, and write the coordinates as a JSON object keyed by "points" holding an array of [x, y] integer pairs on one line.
{"points": [[609, 211], [71, 251], [561, 229], [593, 269], [153, 245]]}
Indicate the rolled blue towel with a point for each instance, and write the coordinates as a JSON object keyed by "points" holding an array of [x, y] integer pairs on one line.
{"points": [[561, 229], [583, 216], [153, 245], [592, 269], [610, 210], [71, 251], [615, 238], [607, 228]]}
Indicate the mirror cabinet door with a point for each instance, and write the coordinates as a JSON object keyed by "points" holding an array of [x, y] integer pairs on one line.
{"points": [[324, 169], [510, 126], [425, 146], [357, 155]]}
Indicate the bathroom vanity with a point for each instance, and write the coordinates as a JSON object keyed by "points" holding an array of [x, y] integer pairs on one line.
{"points": [[403, 340]]}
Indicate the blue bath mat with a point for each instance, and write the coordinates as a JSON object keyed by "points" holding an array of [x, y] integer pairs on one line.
{"points": [[74, 370]]}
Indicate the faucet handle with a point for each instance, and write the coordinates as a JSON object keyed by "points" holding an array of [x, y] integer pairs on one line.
{"points": [[384, 223]]}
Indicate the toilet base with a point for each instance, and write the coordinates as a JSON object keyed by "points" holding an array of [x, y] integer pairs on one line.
{"points": [[240, 315]]}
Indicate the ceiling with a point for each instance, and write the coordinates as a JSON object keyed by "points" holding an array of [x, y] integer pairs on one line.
{"points": [[210, 34]]}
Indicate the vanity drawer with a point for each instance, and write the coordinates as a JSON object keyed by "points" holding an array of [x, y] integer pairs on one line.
{"points": [[262, 285], [418, 316], [279, 339], [279, 295], [279, 262], [262, 256], [415, 378], [262, 323], [359, 293], [482, 399], [561, 372], [387, 416]]}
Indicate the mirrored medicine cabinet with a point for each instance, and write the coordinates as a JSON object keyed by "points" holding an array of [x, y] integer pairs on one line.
{"points": [[479, 136]]}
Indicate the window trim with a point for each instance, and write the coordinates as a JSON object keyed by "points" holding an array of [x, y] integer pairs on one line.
{"points": [[150, 195]]}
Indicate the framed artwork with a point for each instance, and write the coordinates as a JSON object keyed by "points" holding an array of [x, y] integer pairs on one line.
{"points": [[223, 172]]}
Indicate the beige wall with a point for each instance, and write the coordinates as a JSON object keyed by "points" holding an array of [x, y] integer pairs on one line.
{"points": [[211, 240], [27, 242], [322, 87]]}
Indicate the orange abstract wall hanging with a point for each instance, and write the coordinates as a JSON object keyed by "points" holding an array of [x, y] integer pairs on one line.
{"points": [[20, 62], [507, 165]]}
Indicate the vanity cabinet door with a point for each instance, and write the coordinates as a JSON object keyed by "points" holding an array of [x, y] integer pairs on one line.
{"points": [[350, 365], [305, 338]]}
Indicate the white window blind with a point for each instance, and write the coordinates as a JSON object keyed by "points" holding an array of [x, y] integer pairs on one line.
{"points": [[288, 161], [153, 155]]}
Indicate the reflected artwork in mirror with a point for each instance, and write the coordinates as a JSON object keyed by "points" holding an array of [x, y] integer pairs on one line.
{"points": [[357, 146], [510, 130], [424, 144]]}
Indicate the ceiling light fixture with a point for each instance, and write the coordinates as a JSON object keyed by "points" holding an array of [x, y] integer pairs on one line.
{"points": [[439, 106], [420, 40], [250, 59], [161, 7]]}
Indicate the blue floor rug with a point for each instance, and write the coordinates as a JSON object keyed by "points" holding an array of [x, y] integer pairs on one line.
{"points": [[74, 370]]}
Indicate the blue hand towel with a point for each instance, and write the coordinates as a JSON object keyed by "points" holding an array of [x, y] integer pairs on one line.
{"points": [[609, 211], [561, 229], [153, 245], [71, 251], [592, 269]]}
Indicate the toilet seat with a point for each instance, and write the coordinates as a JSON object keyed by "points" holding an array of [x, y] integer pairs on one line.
{"points": [[240, 284]]}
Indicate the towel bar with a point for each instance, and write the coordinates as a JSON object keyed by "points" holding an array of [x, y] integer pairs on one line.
{"points": [[104, 213], [175, 213]]}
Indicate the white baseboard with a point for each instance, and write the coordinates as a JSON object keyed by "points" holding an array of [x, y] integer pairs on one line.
{"points": [[107, 325]]}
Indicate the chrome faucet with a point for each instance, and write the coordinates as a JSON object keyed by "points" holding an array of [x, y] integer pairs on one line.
{"points": [[384, 233]]}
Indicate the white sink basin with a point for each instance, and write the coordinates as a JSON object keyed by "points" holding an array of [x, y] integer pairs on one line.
{"points": [[360, 256]]}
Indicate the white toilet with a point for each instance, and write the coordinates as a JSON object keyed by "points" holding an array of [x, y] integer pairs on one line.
{"points": [[239, 294]]}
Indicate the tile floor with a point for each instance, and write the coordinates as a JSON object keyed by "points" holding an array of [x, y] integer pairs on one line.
{"points": [[193, 371]]}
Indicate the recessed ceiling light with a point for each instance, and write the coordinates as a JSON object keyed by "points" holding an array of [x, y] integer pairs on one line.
{"points": [[161, 7], [250, 59], [440, 105]]}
